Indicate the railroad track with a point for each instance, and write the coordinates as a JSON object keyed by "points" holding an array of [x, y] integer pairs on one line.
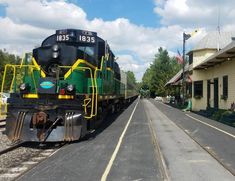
{"points": [[11, 148], [21, 157]]}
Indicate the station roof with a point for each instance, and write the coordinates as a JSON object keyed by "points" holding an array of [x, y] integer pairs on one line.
{"points": [[225, 54], [176, 79], [214, 40]]}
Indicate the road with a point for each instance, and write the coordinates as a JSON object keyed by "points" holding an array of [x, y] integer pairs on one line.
{"points": [[147, 141]]}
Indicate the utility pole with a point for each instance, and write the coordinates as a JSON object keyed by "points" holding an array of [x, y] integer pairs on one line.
{"points": [[183, 74]]}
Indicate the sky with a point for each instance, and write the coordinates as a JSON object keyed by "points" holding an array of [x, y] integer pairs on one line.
{"points": [[134, 29]]}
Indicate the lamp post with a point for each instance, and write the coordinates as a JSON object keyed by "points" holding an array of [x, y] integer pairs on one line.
{"points": [[185, 37], [183, 74]]}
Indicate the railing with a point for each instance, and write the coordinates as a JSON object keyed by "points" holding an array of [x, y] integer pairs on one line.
{"points": [[11, 80], [3, 108], [87, 101], [14, 75], [15, 71]]}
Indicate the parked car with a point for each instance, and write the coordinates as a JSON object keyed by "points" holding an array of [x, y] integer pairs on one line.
{"points": [[158, 98], [3, 97]]}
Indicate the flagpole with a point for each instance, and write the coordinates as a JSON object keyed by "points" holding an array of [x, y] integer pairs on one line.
{"points": [[183, 74], [185, 37]]}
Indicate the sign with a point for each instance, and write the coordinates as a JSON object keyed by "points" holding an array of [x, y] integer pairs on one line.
{"points": [[76, 36], [47, 85]]}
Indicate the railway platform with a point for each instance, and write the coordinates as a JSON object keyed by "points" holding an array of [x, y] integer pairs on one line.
{"points": [[147, 141]]}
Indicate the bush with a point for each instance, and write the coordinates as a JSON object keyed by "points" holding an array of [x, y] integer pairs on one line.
{"points": [[228, 117], [217, 114]]}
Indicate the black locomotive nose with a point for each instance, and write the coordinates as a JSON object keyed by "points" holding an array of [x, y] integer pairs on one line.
{"points": [[53, 69]]}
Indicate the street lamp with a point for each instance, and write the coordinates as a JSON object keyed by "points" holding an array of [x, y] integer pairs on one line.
{"points": [[185, 37]]}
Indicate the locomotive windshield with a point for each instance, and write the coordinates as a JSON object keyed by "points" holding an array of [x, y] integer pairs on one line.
{"points": [[87, 50], [65, 47]]}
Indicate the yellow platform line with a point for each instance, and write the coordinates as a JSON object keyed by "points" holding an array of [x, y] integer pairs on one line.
{"points": [[225, 132], [114, 155]]}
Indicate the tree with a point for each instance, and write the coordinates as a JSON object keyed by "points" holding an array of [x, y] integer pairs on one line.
{"points": [[160, 71], [6, 58], [131, 77]]}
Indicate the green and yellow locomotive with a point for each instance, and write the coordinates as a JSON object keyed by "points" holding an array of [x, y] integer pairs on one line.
{"points": [[63, 90]]}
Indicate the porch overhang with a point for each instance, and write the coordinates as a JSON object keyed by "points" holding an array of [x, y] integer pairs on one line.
{"points": [[226, 54]]}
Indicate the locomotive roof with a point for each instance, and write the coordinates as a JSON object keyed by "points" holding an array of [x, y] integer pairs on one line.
{"points": [[70, 35], [74, 33]]}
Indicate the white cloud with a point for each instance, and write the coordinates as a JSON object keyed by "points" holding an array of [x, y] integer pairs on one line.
{"points": [[196, 13], [127, 62], [26, 26], [28, 22], [45, 14]]}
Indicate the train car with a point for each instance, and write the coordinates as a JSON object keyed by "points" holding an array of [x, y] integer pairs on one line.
{"points": [[130, 91], [63, 89]]}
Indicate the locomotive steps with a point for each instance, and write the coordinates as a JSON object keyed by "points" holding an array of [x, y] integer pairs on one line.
{"points": [[2, 123]]}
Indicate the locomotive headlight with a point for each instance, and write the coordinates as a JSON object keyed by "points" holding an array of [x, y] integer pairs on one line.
{"points": [[23, 87], [70, 88], [55, 48], [55, 51], [55, 54]]}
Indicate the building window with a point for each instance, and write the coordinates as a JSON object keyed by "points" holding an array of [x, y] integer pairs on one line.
{"points": [[225, 86], [198, 89], [190, 58]]}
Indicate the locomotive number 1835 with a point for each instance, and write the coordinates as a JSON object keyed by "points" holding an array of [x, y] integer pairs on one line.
{"points": [[86, 39], [80, 38]]}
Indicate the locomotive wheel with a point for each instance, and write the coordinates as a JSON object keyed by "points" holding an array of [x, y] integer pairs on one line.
{"points": [[113, 110], [100, 115], [117, 107]]}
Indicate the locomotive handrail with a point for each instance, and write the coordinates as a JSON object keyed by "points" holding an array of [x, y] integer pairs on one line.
{"points": [[95, 76], [13, 79], [38, 67], [75, 65], [2, 105], [4, 77], [72, 68], [85, 104], [14, 67], [22, 60]]}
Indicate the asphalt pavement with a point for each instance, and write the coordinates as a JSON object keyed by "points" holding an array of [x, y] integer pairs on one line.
{"points": [[217, 138], [147, 141], [185, 159], [87, 160]]}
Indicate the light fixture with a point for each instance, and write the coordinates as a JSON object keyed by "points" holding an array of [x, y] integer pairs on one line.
{"points": [[55, 55], [70, 88], [55, 51], [23, 87], [55, 47]]}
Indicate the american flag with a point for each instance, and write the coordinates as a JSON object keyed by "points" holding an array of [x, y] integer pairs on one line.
{"points": [[179, 58]]}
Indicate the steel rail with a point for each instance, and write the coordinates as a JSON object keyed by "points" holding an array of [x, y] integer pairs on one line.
{"points": [[11, 148]]}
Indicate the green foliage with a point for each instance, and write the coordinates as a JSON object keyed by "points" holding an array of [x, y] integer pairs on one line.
{"points": [[218, 114], [160, 71], [6, 58], [131, 77]]}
